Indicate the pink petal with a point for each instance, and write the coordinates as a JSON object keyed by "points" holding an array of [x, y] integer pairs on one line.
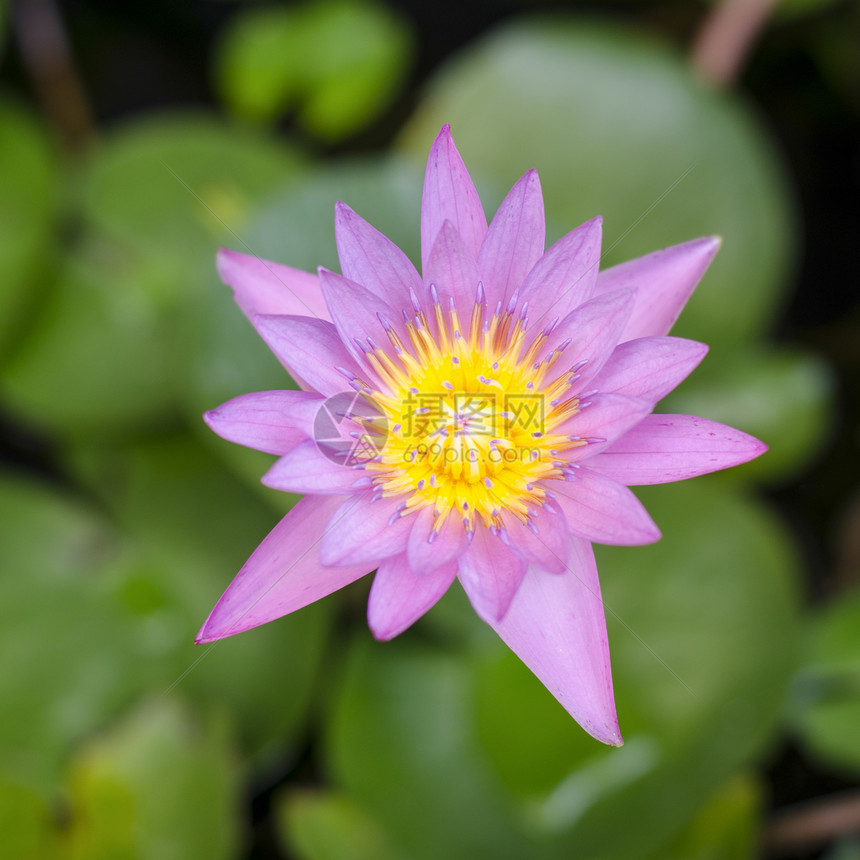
{"points": [[449, 195], [425, 555], [665, 448], [605, 418], [262, 287], [649, 367], [591, 333], [270, 421], [306, 469], [452, 269], [310, 349], [366, 532], [358, 314], [546, 547], [490, 573], [372, 260], [556, 626], [399, 596], [604, 511], [664, 280], [514, 241], [565, 276], [283, 574]]}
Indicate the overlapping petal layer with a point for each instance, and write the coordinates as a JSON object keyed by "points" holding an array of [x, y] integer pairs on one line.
{"points": [[504, 406]]}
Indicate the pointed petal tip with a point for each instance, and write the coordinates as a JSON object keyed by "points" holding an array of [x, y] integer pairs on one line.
{"points": [[442, 139], [707, 246], [217, 626], [267, 480], [214, 420], [343, 212], [606, 731], [226, 261], [234, 267], [209, 633], [758, 448], [593, 224], [703, 348], [613, 738], [652, 536], [204, 638], [749, 449], [381, 633], [594, 229], [223, 255], [604, 727]]}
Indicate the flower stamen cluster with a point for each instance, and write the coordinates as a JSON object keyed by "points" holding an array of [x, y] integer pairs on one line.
{"points": [[471, 416]]}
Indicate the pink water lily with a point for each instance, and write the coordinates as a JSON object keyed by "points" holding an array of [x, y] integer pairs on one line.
{"points": [[482, 423]]}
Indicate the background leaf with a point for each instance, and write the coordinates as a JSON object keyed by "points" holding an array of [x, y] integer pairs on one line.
{"points": [[338, 63], [702, 631], [156, 788], [824, 707], [29, 178], [619, 127], [319, 825]]}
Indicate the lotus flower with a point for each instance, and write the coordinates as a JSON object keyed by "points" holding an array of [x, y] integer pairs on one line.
{"points": [[482, 423]]}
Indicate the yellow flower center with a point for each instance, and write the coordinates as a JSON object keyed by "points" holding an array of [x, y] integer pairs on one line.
{"points": [[470, 416]]}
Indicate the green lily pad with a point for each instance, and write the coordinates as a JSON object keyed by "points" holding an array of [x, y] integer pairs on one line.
{"points": [[27, 831], [726, 828], [619, 126], [99, 358], [29, 179], [401, 742], [824, 708], [192, 525], [323, 825], [468, 750], [71, 666], [172, 189], [339, 62], [156, 786], [109, 350]]}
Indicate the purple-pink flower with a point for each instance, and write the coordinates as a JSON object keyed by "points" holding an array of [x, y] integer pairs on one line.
{"points": [[482, 423]]}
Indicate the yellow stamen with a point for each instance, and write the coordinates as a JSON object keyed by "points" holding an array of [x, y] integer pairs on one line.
{"points": [[472, 423]]}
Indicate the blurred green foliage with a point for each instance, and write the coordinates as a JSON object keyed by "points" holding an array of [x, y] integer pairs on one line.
{"points": [[337, 63], [29, 177], [825, 700], [121, 739]]}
